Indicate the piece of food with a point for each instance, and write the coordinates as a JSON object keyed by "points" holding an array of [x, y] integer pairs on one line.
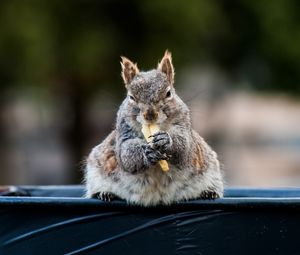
{"points": [[148, 130]]}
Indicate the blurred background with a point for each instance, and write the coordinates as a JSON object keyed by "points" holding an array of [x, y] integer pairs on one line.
{"points": [[237, 66]]}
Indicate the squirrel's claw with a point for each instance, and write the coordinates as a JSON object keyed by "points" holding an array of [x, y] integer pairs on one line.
{"points": [[161, 141], [104, 196], [153, 155], [208, 194]]}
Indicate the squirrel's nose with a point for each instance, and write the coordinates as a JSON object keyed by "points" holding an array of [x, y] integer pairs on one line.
{"points": [[150, 115]]}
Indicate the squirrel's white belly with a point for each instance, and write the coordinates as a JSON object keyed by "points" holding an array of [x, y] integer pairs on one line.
{"points": [[154, 186]]}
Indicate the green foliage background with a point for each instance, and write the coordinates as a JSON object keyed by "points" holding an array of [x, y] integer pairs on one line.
{"points": [[42, 42]]}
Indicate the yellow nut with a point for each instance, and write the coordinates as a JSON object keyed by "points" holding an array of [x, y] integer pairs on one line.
{"points": [[148, 130]]}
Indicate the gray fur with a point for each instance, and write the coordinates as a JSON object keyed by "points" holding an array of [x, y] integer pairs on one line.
{"points": [[138, 177]]}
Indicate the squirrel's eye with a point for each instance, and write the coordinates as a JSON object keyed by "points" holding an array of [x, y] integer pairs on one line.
{"points": [[132, 98], [168, 93]]}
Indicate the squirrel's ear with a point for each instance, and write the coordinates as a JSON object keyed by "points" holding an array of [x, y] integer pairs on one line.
{"points": [[166, 66], [129, 70]]}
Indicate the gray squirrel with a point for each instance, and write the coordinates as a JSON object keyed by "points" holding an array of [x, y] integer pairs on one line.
{"points": [[126, 166]]}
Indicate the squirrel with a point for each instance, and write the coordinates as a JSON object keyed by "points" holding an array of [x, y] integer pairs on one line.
{"points": [[125, 166]]}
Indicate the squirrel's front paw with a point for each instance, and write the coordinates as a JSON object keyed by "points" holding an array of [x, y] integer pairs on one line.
{"points": [[161, 141], [152, 155]]}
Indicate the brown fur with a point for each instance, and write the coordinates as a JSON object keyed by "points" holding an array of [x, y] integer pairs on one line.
{"points": [[105, 158], [108, 156], [110, 161], [129, 70], [198, 160], [166, 67]]}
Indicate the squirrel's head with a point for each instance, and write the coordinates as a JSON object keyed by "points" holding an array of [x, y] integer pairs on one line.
{"points": [[151, 95]]}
